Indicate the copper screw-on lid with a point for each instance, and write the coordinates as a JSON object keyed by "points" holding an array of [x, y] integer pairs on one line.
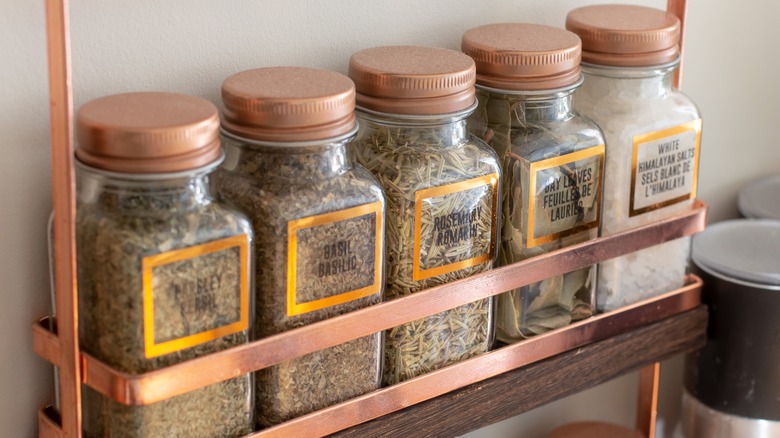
{"points": [[148, 132], [413, 80], [516, 56], [288, 104], [626, 35]]}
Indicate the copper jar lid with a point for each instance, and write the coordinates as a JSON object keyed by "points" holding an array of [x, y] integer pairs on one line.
{"points": [[288, 104], [148, 132], [516, 56], [413, 80], [626, 35]]}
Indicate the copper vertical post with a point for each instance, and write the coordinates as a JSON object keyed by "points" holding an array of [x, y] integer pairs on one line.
{"points": [[680, 9], [649, 377], [63, 189], [647, 408]]}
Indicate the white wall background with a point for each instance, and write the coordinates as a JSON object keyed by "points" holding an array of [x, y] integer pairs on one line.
{"points": [[189, 46]]}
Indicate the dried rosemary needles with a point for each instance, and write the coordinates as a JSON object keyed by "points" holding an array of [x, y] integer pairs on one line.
{"points": [[442, 195]]}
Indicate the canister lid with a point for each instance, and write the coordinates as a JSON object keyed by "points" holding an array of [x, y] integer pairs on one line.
{"points": [[148, 132], [413, 80], [742, 249], [288, 104], [626, 35], [760, 199], [518, 56]]}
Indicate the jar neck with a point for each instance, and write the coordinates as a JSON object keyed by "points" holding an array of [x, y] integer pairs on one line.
{"points": [[292, 162], [534, 107], [146, 194], [441, 131], [653, 82]]}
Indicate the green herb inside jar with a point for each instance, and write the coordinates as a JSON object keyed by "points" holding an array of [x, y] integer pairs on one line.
{"points": [[163, 269], [319, 225], [442, 190]]}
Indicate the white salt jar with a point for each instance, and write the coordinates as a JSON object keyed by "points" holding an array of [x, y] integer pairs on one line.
{"points": [[652, 131]]}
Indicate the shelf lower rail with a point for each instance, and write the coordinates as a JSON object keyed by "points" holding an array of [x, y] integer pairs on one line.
{"points": [[178, 379], [629, 327]]}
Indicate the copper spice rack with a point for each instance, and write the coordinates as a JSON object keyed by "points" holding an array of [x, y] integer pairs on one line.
{"points": [[482, 390]]}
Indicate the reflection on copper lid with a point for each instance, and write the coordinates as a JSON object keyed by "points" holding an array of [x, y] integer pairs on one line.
{"points": [[517, 56], [626, 35], [148, 132], [287, 104], [413, 79]]}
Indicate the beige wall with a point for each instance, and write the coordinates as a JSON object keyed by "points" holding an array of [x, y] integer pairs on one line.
{"points": [[191, 45]]}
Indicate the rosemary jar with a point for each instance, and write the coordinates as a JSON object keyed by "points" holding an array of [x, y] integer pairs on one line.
{"points": [[442, 188], [552, 160], [163, 269], [319, 223], [653, 132]]}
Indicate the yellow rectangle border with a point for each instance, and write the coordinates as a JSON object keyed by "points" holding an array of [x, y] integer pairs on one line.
{"points": [[293, 308], [153, 349], [532, 241], [694, 125], [435, 192]]}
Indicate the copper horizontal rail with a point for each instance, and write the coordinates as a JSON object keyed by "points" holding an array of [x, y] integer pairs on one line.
{"points": [[178, 379], [46, 343], [49, 423], [459, 375]]}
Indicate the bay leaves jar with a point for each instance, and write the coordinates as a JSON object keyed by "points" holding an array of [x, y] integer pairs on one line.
{"points": [[653, 134], [163, 269], [319, 222], [552, 159], [442, 188]]}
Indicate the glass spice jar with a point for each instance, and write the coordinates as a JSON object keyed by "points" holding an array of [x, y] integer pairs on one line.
{"points": [[442, 188], [163, 269], [552, 160], [653, 134], [319, 227]]}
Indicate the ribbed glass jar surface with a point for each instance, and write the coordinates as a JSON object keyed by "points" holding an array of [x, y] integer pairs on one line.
{"points": [[442, 188], [552, 160]]}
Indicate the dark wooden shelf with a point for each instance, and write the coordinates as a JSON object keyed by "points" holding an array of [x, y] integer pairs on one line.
{"points": [[520, 390]]}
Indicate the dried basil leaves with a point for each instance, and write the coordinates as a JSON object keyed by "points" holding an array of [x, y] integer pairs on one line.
{"points": [[309, 205]]}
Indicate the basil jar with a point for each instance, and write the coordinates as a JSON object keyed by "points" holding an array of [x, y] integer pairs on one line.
{"points": [[653, 134], [319, 222], [163, 269], [552, 159], [442, 189]]}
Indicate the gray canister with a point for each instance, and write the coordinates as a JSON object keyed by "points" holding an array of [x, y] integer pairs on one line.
{"points": [[733, 383], [760, 199]]}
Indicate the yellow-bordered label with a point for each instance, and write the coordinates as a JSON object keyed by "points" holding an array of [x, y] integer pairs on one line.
{"points": [[665, 167], [434, 194], [195, 294], [564, 181], [343, 247]]}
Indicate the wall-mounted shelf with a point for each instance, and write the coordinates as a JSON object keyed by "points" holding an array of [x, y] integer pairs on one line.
{"points": [[178, 379], [449, 401]]}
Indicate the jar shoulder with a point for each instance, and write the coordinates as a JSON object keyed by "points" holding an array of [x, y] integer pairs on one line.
{"points": [[539, 141], [273, 200], [633, 117], [145, 232]]}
